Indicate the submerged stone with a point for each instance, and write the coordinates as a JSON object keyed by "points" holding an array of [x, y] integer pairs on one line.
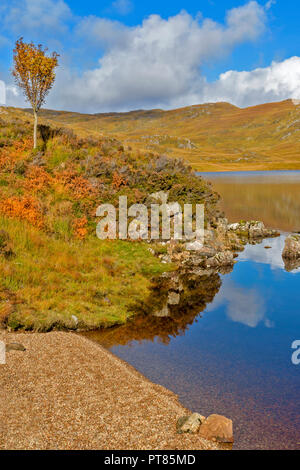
{"points": [[217, 428]]}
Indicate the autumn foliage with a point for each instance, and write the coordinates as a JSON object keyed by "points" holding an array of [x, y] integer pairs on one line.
{"points": [[37, 179], [76, 184], [34, 73], [118, 180], [80, 228], [59, 189], [24, 208]]}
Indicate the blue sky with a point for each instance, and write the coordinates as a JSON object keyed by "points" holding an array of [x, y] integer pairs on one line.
{"points": [[281, 41], [125, 54]]}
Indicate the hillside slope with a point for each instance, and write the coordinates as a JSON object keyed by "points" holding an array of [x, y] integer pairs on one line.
{"points": [[211, 137], [54, 271]]}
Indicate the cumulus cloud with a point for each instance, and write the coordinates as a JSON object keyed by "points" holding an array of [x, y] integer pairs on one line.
{"points": [[156, 63], [279, 81], [272, 256], [245, 306], [30, 16], [2, 93]]}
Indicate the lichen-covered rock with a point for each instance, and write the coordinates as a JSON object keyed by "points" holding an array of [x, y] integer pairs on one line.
{"points": [[194, 246], [223, 258], [291, 249], [217, 428], [189, 424], [252, 230]]}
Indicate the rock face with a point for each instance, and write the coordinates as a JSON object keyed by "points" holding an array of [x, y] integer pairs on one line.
{"points": [[217, 428], [189, 424], [291, 249]]}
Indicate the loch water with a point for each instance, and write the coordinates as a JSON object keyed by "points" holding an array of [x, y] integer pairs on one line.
{"points": [[227, 347]]}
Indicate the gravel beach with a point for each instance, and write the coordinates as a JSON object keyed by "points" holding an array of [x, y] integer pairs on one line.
{"points": [[65, 392]]}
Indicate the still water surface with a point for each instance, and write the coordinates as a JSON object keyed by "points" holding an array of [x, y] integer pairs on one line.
{"points": [[271, 196], [230, 351]]}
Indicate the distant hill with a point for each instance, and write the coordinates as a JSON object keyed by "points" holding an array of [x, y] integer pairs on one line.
{"points": [[211, 137]]}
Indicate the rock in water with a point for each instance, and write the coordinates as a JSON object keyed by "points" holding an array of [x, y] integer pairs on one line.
{"points": [[252, 230], [217, 428], [291, 249], [291, 264], [220, 259], [15, 347], [189, 424]]}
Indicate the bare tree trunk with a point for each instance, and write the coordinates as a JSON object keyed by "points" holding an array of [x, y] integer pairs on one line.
{"points": [[35, 129]]}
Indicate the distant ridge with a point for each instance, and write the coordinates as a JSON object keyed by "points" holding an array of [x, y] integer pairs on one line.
{"points": [[211, 136]]}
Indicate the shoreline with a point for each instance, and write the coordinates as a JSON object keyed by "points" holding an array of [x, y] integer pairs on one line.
{"points": [[66, 392], [237, 169]]}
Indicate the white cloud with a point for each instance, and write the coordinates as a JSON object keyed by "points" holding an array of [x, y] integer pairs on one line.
{"points": [[156, 63], [103, 33], [242, 305], [31, 16], [272, 256], [279, 81], [246, 306], [2, 93], [123, 7]]}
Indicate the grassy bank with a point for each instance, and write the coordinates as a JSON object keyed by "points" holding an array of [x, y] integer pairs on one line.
{"points": [[55, 273], [47, 282]]}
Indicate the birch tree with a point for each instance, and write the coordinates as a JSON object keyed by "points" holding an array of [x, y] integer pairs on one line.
{"points": [[34, 73]]}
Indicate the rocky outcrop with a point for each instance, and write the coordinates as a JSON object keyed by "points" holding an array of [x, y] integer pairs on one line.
{"points": [[223, 258], [214, 428], [291, 249], [222, 242], [252, 230]]}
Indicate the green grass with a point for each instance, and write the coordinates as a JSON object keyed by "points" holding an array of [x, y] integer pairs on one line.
{"points": [[99, 282]]}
